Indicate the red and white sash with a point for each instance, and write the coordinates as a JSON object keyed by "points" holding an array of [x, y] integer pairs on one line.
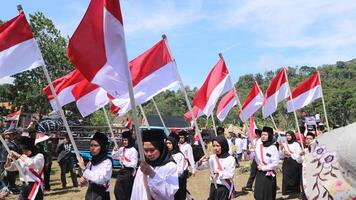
{"points": [[38, 184], [270, 172], [228, 182]]}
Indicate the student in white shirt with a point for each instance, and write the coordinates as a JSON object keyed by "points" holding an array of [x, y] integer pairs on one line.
{"points": [[173, 149], [267, 158], [292, 165], [187, 150], [222, 165], [31, 163], [98, 171], [157, 176], [128, 157]]}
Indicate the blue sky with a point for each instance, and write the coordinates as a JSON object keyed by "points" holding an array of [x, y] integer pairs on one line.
{"points": [[253, 35]]}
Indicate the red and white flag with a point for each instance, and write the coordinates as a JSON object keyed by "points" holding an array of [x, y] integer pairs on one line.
{"points": [[63, 87], [89, 97], [18, 48], [152, 72], [216, 84], [276, 92], [305, 93], [97, 48], [225, 105], [253, 102], [253, 127], [15, 116], [197, 113]]}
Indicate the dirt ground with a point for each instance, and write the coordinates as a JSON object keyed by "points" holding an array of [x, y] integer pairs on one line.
{"points": [[197, 185]]}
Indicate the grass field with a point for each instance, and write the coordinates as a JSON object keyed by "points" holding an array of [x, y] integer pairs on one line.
{"points": [[198, 185]]}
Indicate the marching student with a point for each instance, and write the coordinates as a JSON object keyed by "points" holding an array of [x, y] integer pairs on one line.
{"points": [[173, 149], [31, 163], [253, 168], [267, 159], [157, 176], [187, 151], [128, 157], [98, 171], [309, 138], [292, 165], [223, 166]]}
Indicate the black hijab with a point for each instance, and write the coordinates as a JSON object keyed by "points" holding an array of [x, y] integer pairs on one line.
{"points": [[103, 154], [157, 138], [27, 143], [269, 142], [291, 133], [224, 146], [175, 145], [128, 135]]}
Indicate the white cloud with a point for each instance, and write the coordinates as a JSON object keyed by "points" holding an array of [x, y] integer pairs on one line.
{"points": [[7, 79]]}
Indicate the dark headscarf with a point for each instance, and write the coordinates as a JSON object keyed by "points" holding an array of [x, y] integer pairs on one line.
{"points": [[157, 138], [27, 143], [258, 132], [269, 130], [224, 146], [183, 133], [175, 145], [128, 135], [103, 154], [291, 133]]}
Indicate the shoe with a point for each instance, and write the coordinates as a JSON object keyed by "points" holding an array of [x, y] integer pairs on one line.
{"points": [[246, 188]]}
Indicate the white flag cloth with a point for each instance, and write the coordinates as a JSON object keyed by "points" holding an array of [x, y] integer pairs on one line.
{"points": [[225, 105]]}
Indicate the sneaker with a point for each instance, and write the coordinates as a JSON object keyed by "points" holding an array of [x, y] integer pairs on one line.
{"points": [[246, 188]]}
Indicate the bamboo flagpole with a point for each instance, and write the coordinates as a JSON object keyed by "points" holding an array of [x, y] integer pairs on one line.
{"points": [[109, 124], [295, 113], [197, 131], [206, 123], [274, 123], [323, 101], [159, 113], [144, 116], [44, 68], [214, 126]]}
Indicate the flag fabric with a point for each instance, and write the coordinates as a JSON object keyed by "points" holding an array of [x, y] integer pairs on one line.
{"points": [[253, 127], [305, 93], [89, 97], [63, 88], [97, 48], [151, 72], [114, 109], [225, 105], [15, 116], [216, 84], [276, 92], [253, 102], [18, 48], [197, 113]]}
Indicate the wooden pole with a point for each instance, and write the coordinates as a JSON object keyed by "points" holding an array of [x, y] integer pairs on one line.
{"points": [[274, 123], [159, 113], [214, 126], [144, 116], [323, 101], [109, 124]]}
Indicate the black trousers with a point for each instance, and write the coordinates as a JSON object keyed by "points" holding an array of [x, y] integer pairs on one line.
{"points": [[68, 166], [253, 171], [47, 176], [26, 190], [182, 191], [123, 185], [97, 192]]}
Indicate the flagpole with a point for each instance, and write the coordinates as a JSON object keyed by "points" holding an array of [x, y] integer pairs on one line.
{"points": [[44, 68], [17, 122], [295, 113], [274, 123], [144, 116], [212, 117], [14, 162], [239, 104], [323, 101], [207, 120], [159, 113], [109, 124]]}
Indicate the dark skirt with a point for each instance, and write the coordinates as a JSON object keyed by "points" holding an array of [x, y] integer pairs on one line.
{"points": [[265, 186], [97, 192], [124, 183], [26, 191], [219, 193], [292, 174]]}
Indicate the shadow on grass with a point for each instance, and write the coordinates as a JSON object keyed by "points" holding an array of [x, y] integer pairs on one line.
{"points": [[59, 191]]}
